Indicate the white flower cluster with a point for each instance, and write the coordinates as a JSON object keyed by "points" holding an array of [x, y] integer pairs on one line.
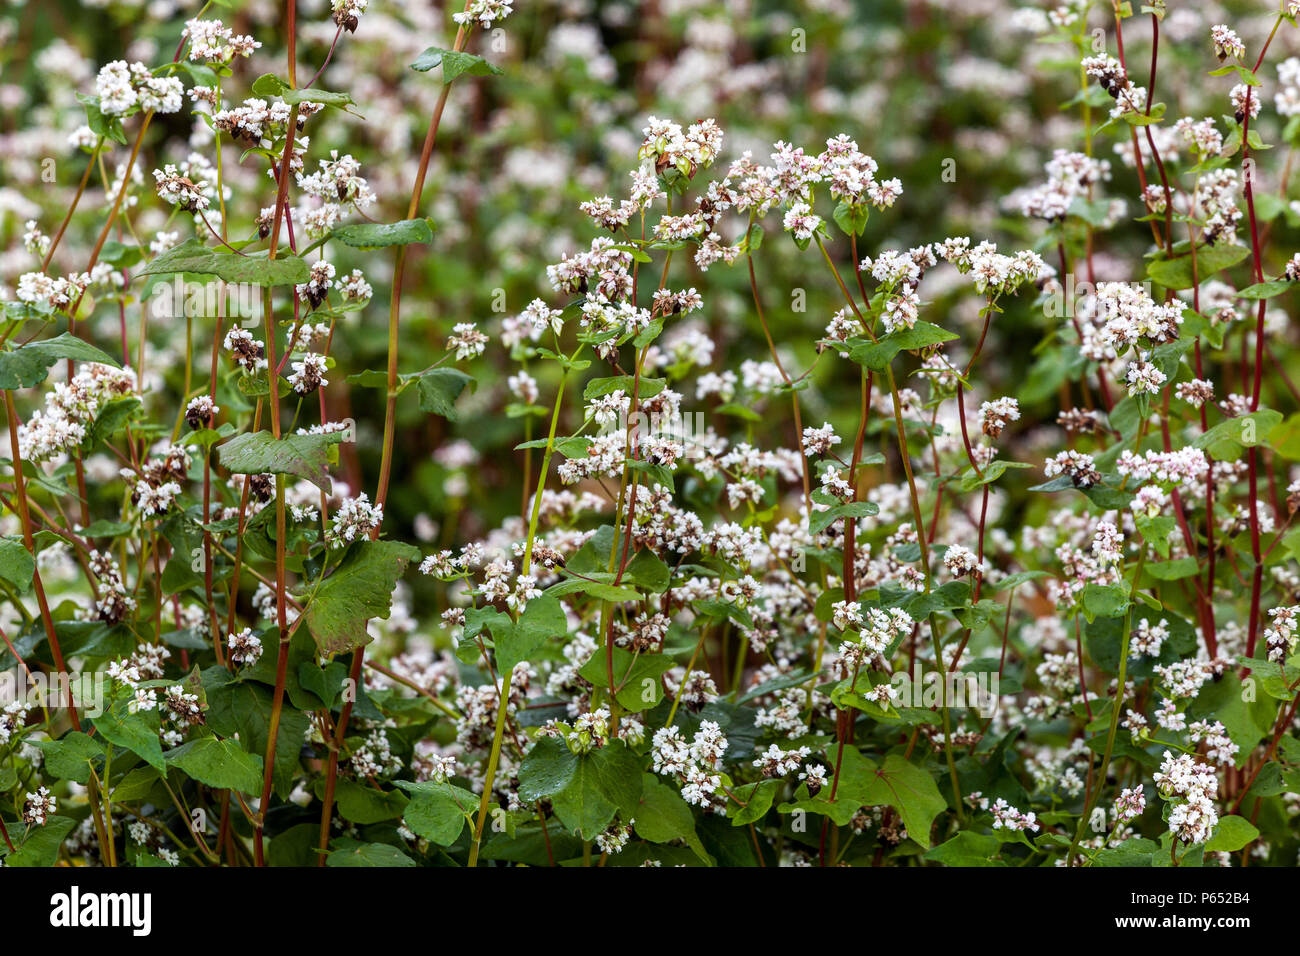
{"points": [[179, 190], [776, 762], [1148, 639], [995, 415], [51, 292], [336, 185], [1114, 80], [213, 42], [308, 373], [467, 341], [12, 716], [353, 520], [687, 151], [482, 12], [1076, 465], [1280, 638], [960, 561], [375, 757], [1129, 805], [1185, 466], [39, 807], [694, 766], [124, 87], [1191, 786], [70, 409], [245, 647], [819, 441], [1287, 98], [994, 273], [1007, 817]]}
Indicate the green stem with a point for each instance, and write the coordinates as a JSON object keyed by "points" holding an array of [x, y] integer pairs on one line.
{"points": [[1115, 709], [493, 759]]}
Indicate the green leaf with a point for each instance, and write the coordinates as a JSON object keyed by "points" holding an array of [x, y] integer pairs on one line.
{"points": [[992, 472], [1155, 531], [268, 84], [736, 410], [1174, 570], [1246, 76], [136, 785], [636, 676], [439, 389], [597, 589], [1176, 273], [634, 252], [335, 98], [355, 853], [108, 127], [516, 641], [1017, 579], [1105, 600], [852, 218], [359, 803], [648, 572], [29, 364], [899, 784], [361, 588], [112, 419], [219, 764], [41, 848], [1135, 851], [193, 256], [1232, 833], [663, 816], [758, 799], [136, 732], [586, 790], [1265, 290], [1227, 440], [453, 64], [877, 355], [820, 520], [244, 707], [435, 818], [17, 566], [309, 686], [946, 597], [909, 790], [258, 453], [438, 812], [967, 849], [1284, 438], [377, 235], [645, 388], [72, 756]]}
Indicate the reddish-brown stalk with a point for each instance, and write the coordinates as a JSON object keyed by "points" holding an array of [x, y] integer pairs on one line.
{"points": [[273, 398], [1257, 260], [24, 515], [390, 420]]}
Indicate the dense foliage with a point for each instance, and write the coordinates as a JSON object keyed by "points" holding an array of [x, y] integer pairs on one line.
{"points": [[690, 433]]}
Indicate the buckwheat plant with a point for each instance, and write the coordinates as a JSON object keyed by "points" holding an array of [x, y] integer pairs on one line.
{"points": [[469, 435]]}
